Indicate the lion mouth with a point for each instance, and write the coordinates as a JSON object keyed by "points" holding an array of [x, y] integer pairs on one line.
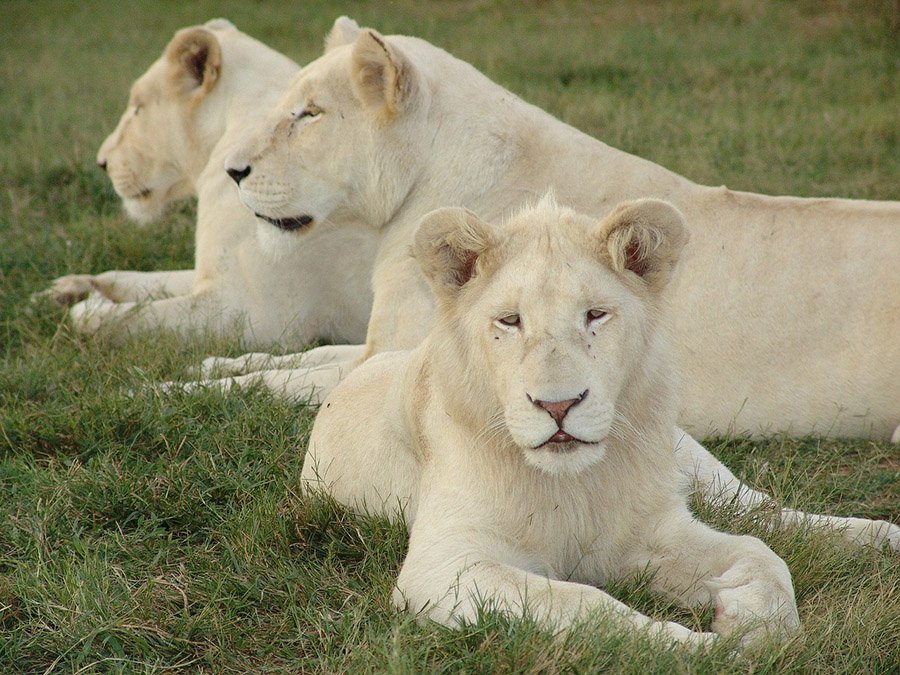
{"points": [[287, 224], [563, 441], [142, 194]]}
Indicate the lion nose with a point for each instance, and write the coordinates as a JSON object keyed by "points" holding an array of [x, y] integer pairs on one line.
{"points": [[558, 409], [237, 175], [102, 164]]}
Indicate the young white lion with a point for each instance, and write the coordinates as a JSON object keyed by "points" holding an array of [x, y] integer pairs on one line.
{"points": [[170, 144], [528, 439]]}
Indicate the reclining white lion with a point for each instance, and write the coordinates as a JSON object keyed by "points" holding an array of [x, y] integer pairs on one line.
{"points": [[527, 439], [170, 144], [784, 317]]}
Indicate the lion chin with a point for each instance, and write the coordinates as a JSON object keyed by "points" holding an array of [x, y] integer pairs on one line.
{"points": [[277, 244], [143, 210], [565, 459]]}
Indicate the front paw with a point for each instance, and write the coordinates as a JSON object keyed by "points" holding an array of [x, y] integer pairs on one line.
{"points": [[874, 533], [222, 366], [175, 387], [72, 288], [88, 315], [669, 630], [760, 605]]}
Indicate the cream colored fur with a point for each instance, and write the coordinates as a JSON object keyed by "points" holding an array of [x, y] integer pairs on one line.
{"points": [[527, 440], [784, 316], [192, 103]]}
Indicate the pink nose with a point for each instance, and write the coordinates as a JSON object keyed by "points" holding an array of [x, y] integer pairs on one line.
{"points": [[558, 409]]}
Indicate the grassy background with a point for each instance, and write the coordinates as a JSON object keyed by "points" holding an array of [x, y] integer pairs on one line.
{"points": [[164, 534]]}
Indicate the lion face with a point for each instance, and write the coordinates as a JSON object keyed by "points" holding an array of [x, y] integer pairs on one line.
{"points": [[557, 340], [148, 155], [331, 148], [556, 312], [297, 173]]}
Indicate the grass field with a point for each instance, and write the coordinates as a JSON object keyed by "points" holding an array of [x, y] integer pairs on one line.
{"points": [[164, 534]]}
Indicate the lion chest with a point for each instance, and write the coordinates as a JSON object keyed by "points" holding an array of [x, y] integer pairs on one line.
{"points": [[577, 529], [574, 537]]}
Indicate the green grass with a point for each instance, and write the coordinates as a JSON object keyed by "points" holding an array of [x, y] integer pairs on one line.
{"points": [[166, 534]]}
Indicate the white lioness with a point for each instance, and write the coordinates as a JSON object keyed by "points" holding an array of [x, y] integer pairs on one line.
{"points": [[528, 438], [785, 316], [170, 144]]}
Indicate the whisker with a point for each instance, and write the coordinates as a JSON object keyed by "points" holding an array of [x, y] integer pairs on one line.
{"points": [[493, 427]]}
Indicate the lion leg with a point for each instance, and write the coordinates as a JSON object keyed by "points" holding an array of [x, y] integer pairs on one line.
{"points": [[449, 576], [719, 485], [255, 361], [895, 437], [355, 453], [126, 286], [120, 286], [749, 585], [96, 314], [184, 314], [307, 386]]}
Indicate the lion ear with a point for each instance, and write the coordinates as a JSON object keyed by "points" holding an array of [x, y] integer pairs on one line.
{"points": [[219, 24], [344, 32], [382, 76], [447, 246], [196, 59], [644, 237]]}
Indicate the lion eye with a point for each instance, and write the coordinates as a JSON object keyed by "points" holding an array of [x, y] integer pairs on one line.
{"points": [[597, 315], [511, 320], [308, 111]]}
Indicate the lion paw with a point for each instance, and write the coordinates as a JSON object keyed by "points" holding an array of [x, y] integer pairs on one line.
{"points": [[224, 385], [669, 630], [68, 290], [166, 388], [209, 367], [89, 315], [221, 366], [875, 533], [760, 607], [178, 387]]}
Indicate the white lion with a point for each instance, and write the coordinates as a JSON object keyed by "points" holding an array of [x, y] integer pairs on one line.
{"points": [[528, 438], [784, 318], [170, 144]]}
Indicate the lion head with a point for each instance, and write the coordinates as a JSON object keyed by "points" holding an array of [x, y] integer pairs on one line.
{"points": [[153, 156], [547, 323], [336, 146]]}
